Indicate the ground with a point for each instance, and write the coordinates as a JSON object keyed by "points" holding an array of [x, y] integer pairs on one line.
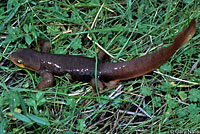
{"points": [[163, 101]]}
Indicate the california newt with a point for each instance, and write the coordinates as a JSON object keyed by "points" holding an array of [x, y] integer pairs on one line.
{"points": [[83, 68]]}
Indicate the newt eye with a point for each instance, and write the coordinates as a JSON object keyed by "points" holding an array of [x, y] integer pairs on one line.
{"points": [[19, 61]]}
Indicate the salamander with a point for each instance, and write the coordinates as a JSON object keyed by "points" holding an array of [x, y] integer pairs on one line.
{"points": [[83, 69]]}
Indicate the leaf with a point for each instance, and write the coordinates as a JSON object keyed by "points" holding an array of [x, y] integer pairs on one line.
{"points": [[142, 28], [172, 104], [157, 102], [194, 95], [197, 71], [1, 101], [129, 12], [2, 26], [74, 19], [165, 68], [167, 86], [28, 39], [76, 43], [41, 102], [195, 118], [116, 103], [148, 109], [182, 95], [30, 27], [71, 102], [12, 13], [182, 112], [104, 39], [34, 33], [38, 120], [69, 132], [31, 102], [140, 10], [146, 91], [104, 100], [40, 98], [190, 51], [188, 1], [198, 57], [25, 27], [94, 2], [2, 126], [53, 29], [21, 117], [11, 3], [193, 109], [81, 124], [24, 108], [122, 39]]}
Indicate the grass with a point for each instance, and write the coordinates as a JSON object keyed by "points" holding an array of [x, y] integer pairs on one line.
{"points": [[159, 102]]}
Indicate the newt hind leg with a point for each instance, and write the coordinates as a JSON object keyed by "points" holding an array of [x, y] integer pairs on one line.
{"points": [[44, 45], [99, 85], [47, 80], [111, 83], [102, 56]]}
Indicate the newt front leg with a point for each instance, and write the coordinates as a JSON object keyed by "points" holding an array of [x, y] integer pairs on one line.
{"points": [[47, 80]]}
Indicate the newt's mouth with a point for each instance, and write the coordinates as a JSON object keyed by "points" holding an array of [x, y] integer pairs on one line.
{"points": [[23, 58], [14, 60]]}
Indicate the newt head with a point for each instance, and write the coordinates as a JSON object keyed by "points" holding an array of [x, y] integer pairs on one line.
{"points": [[26, 58]]}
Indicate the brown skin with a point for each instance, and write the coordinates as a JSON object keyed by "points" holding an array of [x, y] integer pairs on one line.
{"points": [[83, 68]]}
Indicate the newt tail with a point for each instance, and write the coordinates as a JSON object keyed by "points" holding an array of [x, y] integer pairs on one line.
{"points": [[83, 68], [147, 63]]}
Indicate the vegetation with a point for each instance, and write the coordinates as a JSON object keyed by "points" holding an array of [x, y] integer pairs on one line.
{"points": [[167, 100]]}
